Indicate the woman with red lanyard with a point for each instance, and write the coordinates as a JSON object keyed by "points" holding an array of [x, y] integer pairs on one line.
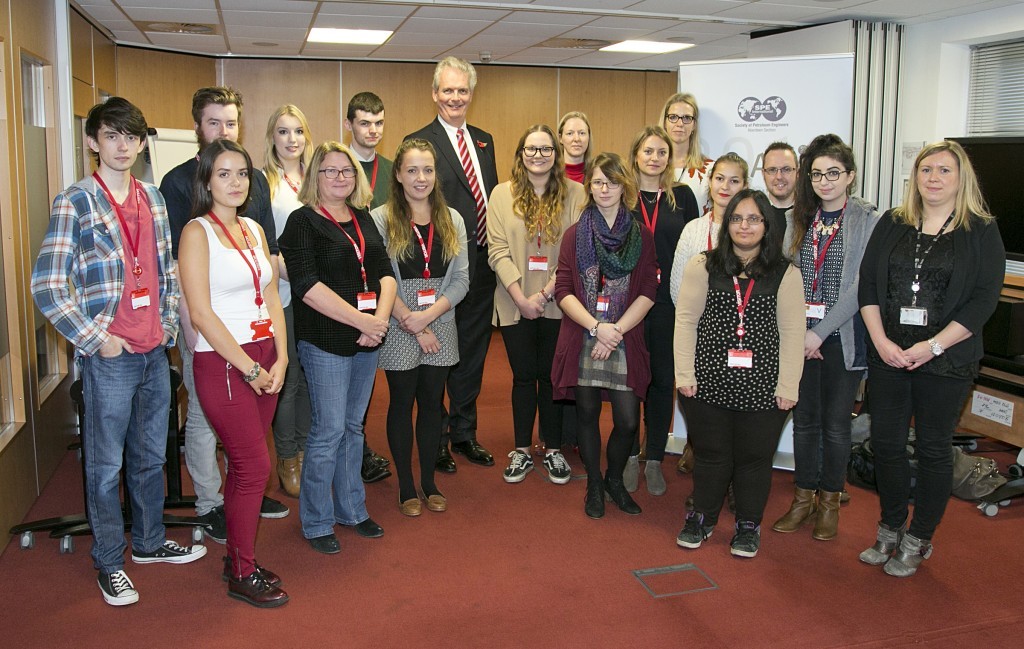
{"points": [[664, 208], [426, 242], [830, 231], [343, 289], [526, 219], [241, 354], [738, 348], [286, 160]]}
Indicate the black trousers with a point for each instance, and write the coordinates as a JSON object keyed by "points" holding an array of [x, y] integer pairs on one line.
{"points": [[659, 329], [423, 385], [530, 345]]}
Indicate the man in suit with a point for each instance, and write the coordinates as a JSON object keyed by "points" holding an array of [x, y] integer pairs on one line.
{"points": [[466, 169]]}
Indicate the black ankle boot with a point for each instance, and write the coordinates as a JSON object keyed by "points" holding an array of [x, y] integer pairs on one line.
{"points": [[618, 494], [593, 504]]}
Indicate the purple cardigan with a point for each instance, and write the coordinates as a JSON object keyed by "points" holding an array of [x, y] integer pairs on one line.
{"points": [[642, 281]]}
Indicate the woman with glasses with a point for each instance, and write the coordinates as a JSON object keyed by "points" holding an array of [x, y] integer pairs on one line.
{"points": [[739, 328], [574, 139], [930, 279], [526, 219], [344, 288], [426, 242], [827, 240], [679, 118], [663, 209], [286, 160], [606, 284]]}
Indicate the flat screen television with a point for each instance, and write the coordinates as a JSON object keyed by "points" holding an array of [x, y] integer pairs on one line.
{"points": [[998, 162]]}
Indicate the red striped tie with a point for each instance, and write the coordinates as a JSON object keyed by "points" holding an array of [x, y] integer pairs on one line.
{"points": [[474, 186]]}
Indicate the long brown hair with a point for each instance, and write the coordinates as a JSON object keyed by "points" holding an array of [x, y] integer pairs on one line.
{"points": [[806, 203], [398, 213], [541, 214], [665, 181]]}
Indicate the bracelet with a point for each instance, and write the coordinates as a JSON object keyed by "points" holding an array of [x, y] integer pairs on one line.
{"points": [[253, 374]]}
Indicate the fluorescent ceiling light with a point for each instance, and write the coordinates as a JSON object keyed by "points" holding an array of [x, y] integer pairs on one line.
{"points": [[348, 36], [646, 47]]}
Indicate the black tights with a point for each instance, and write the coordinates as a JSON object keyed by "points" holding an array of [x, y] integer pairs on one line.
{"points": [[625, 419], [425, 386]]}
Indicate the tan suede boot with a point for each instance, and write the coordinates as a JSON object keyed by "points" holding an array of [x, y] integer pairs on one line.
{"points": [[288, 473], [802, 510], [827, 525]]}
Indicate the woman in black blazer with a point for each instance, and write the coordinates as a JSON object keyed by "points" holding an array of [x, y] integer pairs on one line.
{"points": [[930, 279]]}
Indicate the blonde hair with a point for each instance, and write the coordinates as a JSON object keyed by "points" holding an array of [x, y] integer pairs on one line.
{"points": [[272, 162], [969, 200], [588, 156], [665, 181], [694, 157], [398, 212], [309, 193], [540, 213]]}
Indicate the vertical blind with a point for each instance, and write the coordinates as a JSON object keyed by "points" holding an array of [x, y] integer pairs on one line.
{"points": [[995, 100]]}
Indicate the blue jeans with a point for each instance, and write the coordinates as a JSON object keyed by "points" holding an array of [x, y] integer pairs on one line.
{"points": [[339, 391], [126, 401]]}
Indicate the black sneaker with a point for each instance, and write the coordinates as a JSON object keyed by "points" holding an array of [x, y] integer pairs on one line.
{"points": [[215, 525], [694, 531], [520, 464], [747, 540], [273, 508], [557, 468], [117, 589], [170, 552]]}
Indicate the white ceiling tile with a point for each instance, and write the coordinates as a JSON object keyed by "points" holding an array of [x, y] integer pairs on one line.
{"points": [[130, 36], [269, 5], [689, 8], [209, 5], [607, 34], [366, 9], [267, 19], [459, 13], [248, 49], [103, 14], [358, 22], [588, 4], [526, 31], [189, 42], [274, 34], [771, 12], [173, 15], [549, 18], [646, 25]]}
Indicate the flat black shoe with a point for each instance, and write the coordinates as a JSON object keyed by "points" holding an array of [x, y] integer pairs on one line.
{"points": [[445, 462], [368, 529], [373, 470], [271, 508], [618, 495], [380, 459], [593, 503], [474, 452], [326, 544]]}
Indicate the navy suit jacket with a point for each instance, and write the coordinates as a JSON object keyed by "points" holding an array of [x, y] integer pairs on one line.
{"points": [[454, 184]]}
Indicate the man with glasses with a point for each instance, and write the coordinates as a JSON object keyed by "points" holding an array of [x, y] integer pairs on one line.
{"points": [[779, 166], [467, 171]]}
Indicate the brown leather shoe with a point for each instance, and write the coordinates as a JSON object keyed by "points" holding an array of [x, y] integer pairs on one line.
{"points": [[270, 577], [289, 473], [411, 507], [800, 511], [686, 459], [257, 591], [437, 503], [827, 525]]}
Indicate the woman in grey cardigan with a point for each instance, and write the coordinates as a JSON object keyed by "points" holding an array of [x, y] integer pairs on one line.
{"points": [[828, 233], [426, 242]]}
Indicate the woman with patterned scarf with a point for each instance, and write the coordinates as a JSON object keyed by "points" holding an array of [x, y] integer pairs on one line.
{"points": [[606, 283]]}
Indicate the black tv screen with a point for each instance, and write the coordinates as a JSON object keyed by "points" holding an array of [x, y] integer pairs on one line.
{"points": [[998, 162]]}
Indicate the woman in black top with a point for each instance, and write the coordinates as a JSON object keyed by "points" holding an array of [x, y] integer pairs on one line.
{"points": [[930, 279], [663, 209], [343, 289]]}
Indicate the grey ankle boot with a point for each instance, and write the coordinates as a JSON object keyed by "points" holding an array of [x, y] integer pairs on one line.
{"points": [[631, 474], [655, 479], [908, 557], [887, 540]]}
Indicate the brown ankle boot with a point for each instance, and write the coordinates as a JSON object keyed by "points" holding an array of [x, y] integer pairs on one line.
{"points": [[288, 473], [827, 525], [686, 460], [802, 510]]}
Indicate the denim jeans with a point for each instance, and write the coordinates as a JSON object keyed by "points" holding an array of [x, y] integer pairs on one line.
{"points": [[821, 420], [339, 391], [126, 401], [200, 441], [292, 420]]}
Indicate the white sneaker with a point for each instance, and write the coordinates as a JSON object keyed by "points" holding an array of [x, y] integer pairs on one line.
{"points": [[170, 552]]}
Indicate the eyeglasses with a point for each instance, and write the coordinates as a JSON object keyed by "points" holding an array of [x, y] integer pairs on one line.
{"points": [[775, 171], [685, 119], [332, 173], [544, 151], [735, 219], [831, 174], [601, 184]]}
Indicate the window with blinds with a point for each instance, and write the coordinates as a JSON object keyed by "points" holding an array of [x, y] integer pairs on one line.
{"points": [[995, 101]]}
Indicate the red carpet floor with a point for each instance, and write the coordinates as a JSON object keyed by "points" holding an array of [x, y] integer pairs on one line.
{"points": [[521, 566]]}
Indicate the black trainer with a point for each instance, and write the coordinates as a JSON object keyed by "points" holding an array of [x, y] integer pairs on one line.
{"points": [[273, 508], [694, 531], [747, 540], [170, 552], [117, 589], [215, 525]]}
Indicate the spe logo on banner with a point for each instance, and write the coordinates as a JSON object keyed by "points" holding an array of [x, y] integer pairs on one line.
{"points": [[751, 108]]}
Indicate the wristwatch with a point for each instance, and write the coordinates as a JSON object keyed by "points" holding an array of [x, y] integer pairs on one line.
{"points": [[935, 347], [593, 330]]}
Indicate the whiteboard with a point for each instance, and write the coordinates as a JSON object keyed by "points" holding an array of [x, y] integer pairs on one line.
{"points": [[166, 148]]}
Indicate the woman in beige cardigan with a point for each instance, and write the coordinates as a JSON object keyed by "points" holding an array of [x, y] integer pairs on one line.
{"points": [[525, 221]]}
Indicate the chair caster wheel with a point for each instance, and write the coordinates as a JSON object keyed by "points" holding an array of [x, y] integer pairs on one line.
{"points": [[27, 540], [197, 535], [67, 544]]}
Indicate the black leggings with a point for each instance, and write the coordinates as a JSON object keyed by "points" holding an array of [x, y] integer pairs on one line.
{"points": [[425, 386], [625, 419]]}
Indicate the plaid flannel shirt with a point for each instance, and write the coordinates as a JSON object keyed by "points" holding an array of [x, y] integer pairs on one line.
{"points": [[83, 249]]}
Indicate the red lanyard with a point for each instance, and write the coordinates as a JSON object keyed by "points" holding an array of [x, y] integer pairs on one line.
{"points": [[295, 188], [133, 245], [427, 247], [359, 249], [711, 225], [819, 259], [741, 305], [373, 176], [652, 222], [254, 267]]}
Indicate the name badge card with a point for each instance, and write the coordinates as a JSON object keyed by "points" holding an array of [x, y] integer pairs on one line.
{"points": [[426, 297], [262, 329], [602, 303], [366, 301], [659, 276], [537, 262], [741, 358], [140, 298], [914, 315], [815, 310]]}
